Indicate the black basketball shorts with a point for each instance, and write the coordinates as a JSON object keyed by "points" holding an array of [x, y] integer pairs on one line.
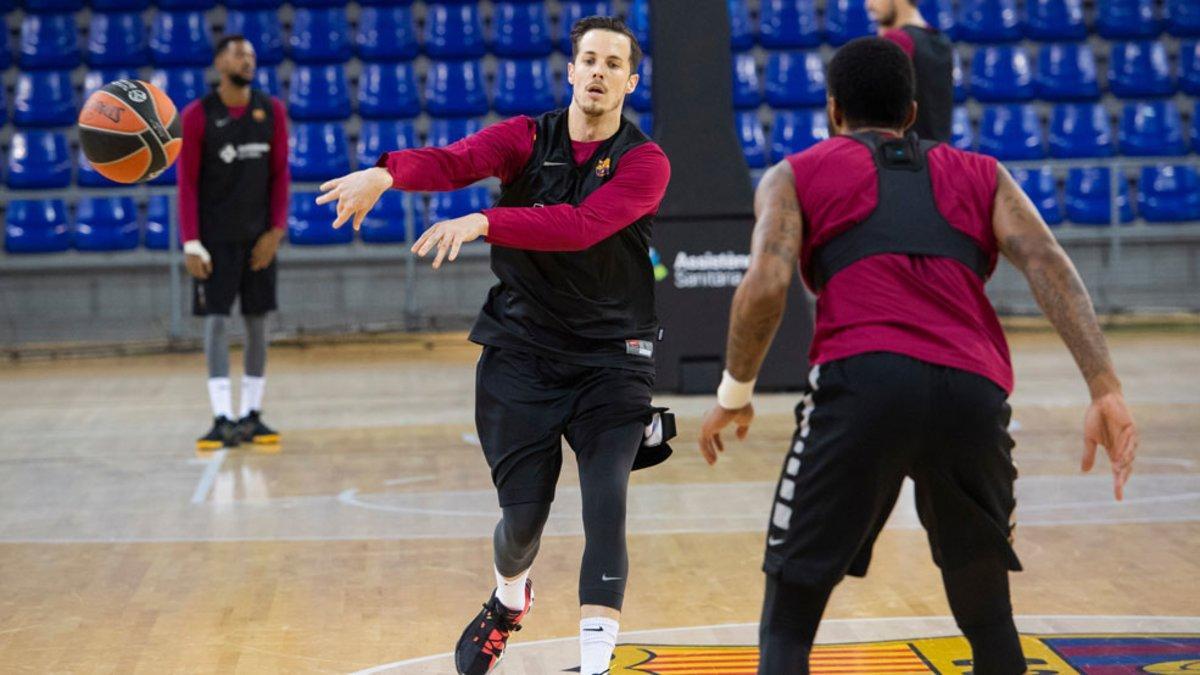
{"points": [[864, 424], [232, 278]]}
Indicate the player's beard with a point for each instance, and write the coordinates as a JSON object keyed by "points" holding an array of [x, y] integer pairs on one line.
{"points": [[889, 20], [239, 80]]}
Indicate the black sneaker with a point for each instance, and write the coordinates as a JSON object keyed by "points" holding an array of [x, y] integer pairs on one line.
{"points": [[483, 641], [252, 430], [224, 433]]}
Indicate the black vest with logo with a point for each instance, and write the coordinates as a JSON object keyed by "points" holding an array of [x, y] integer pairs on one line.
{"points": [[933, 62], [235, 173], [591, 307], [906, 219]]}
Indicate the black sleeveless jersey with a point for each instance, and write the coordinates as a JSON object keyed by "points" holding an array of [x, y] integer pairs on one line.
{"points": [[235, 171]]}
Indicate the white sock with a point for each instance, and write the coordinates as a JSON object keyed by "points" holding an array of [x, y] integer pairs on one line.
{"points": [[220, 394], [252, 393], [597, 640], [511, 593]]}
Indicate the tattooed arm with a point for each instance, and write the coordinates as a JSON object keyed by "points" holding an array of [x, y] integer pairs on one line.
{"points": [[1029, 245], [760, 299]]}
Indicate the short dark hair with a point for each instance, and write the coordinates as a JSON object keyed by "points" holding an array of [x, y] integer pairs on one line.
{"points": [[228, 40], [609, 23], [873, 82]]}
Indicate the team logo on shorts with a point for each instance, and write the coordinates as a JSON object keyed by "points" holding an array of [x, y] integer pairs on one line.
{"points": [[604, 167]]}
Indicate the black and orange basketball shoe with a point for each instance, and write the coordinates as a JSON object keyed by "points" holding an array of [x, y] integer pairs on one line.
{"points": [[483, 642], [252, 430], [224, 433]]}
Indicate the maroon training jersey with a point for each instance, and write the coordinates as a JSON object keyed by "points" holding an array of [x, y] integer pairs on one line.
{"points": [[929, 308]]}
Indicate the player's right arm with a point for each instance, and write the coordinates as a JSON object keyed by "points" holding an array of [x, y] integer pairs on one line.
{"points": [[187, 178], [1029, 245]]}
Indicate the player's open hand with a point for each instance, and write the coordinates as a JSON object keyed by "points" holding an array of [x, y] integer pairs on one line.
{"points": [[197, 267], [448, 237], [715, 421], [356, 193], [1109, 423]]}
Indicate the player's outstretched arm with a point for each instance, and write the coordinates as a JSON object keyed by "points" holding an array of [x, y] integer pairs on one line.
{"points": [[758, 305], [1029, 245]]}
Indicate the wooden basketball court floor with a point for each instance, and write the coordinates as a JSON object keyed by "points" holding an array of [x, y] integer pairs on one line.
{"points": [[362, 544]]}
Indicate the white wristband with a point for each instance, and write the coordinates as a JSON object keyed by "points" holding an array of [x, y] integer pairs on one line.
{"points": [[194, 247], [734, 395]]}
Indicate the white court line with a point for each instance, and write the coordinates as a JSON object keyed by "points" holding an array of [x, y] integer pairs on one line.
{"points": [[210, 476], [471, 439], [879, 619], [408, 480]]}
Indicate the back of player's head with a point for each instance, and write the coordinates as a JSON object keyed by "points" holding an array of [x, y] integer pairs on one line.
{"points": [[873, 83], [608, 23]]}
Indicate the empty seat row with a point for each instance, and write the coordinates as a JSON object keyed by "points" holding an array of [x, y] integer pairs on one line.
{"points": [[1002, 20]]}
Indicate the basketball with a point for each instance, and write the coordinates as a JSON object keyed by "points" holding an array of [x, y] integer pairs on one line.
{"points": [[130, 131]]}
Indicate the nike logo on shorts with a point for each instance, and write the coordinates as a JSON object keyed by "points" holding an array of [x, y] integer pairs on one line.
{"points": [[775, 541], [605, 577]]}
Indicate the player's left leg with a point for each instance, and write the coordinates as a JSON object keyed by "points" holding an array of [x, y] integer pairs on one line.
{"points": [[257, 297]]}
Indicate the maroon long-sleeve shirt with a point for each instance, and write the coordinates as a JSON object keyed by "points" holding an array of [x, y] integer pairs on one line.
{"points": [[502, 150], [192, 152]]}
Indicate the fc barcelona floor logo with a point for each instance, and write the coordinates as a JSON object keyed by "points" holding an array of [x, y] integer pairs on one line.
{"points": [[1175, 654]]}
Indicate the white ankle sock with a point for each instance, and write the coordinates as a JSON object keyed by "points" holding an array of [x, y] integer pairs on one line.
{"points": [[220, 394], [252, 394], [511, 592], [597, 640]]}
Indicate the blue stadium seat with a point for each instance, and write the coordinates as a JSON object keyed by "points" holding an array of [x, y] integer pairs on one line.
{"points": [[988, 21], [118, 5], [1042, 189], [318, 151], [1183, 18], [185, 4], [107, 224], [318, 3], [1002, 73], [318, 92], [795, 79], [50, 6], [940, 15], [797, 130], [1127, 19], [1195, 132], [320, 35], [1067, 72], [3, 105], [522, 29], [524, 87], [117, 39], [90, 178], [386, 34], [1140, 68], [388, 90], [574, 10], [639, 22], [1088, 199], [453, 30], [645, 122], [36, 226], [38, 159], [640, 98], [1054, 20], [747, 92], [94, 79], [1189, 67], [1169, 194], [253, 4], [741, 29], [310, 224], [788, 23], [754, 141], [1080, 130], [1151, 128], [1011, 131], [180, 39], [261, 27], [456, 204], [183, 85], [960, 82], [443, 132], [846, 20], [455, 88], [158, 223], [44, 98], [48, 41], [385, 224], [5, 52], [962, 135], [266, 77], [380, 136]]}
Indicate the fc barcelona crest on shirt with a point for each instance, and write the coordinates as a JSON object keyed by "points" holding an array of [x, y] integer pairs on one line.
{"points": [[603, 167], [259, 114]]}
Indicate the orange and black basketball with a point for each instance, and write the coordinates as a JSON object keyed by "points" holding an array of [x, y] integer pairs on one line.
{"points": [[130, 131]]}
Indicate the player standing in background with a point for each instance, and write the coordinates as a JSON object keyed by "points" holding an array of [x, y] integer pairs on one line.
{"points": [[911, 370], [233, 193], [932, 55], [568, 334]]}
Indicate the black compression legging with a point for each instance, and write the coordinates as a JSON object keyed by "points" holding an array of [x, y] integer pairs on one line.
{"points": [[605, 462]]}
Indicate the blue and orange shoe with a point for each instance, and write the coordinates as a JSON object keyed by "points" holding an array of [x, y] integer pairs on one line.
{"points": [[483, 641]]}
